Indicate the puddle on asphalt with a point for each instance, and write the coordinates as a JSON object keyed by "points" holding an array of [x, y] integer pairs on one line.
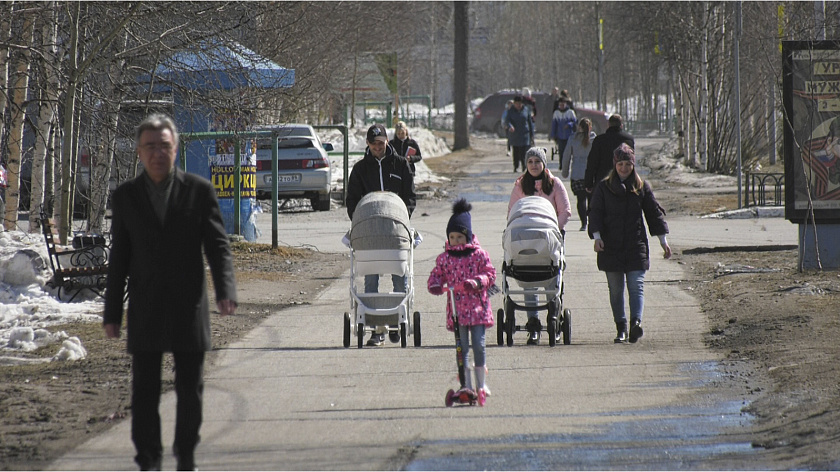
{"points": [[671, 438]]}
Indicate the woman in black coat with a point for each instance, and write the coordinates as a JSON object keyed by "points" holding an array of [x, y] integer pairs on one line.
{"points": [[616, 225], [406, 146]]}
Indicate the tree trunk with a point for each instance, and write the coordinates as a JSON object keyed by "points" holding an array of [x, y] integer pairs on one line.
{"points": [[703, 122], [20, 85], [461, 76], [103, 162], [50, 173], [46, 117], [66, 212], [353, 91], [5, 34], [771, 117]]}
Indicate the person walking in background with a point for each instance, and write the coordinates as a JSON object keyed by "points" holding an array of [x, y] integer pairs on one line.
{"points": [[406, 146], [504, 126], [615, 223], [569, 102], [538, 180], [574, 165], [380, 169], [529, 102], [466, 267], [562, 127], [163, 221], [520, 131], [600, 161], [530, 105]]}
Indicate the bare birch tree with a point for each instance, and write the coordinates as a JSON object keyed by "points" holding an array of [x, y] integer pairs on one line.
{"points": [[19, 83], [47, 102]]}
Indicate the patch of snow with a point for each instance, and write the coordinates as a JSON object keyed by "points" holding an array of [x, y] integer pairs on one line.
{"points": [[28, 306]]}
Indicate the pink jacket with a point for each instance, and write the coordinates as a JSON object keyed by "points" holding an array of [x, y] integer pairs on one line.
{"points": [[473, 306], [559, 198]]}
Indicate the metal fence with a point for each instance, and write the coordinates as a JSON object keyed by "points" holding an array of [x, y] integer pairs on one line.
{"points": [[764, 189]]}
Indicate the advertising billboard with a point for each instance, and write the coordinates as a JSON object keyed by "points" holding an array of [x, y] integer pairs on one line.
{"points": [[811, 88]]}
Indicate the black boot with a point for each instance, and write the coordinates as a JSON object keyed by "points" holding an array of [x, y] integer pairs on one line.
{"points": [[621, 337], [636, 331], [534, 327]]}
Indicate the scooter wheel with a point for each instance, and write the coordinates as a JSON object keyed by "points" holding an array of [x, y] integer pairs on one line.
{"points": [[449, 395]]}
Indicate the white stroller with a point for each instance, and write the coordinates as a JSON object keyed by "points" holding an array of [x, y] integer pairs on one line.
{"points": [[535, 258], [381, 242]]}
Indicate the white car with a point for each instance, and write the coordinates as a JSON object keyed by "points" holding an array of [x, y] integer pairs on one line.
{"points": [[303, 166]]}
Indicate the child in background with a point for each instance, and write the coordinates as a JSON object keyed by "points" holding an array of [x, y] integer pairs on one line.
{"points": [[465, 266]]}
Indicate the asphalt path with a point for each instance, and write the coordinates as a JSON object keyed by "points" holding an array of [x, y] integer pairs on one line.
{"points": [[290, 396]]}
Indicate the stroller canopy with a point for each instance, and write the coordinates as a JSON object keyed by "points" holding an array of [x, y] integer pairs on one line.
{"points": [[532, 236], [380, 221], [532, 210]]}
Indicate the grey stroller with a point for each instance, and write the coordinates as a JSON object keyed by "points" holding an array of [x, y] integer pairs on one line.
{"points": [[381, 242], [535, 260]]}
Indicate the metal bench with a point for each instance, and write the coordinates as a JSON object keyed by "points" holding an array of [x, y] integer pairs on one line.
{"points": [[75, 269]]}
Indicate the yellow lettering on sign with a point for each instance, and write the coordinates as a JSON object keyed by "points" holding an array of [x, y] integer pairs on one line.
{"points": [[217, 183]]}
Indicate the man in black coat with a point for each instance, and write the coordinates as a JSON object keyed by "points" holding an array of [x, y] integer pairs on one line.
{"points": [[600, 160], [380, 169], [163, 221]]}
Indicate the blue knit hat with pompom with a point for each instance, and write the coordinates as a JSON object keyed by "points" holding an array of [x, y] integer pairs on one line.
{"points": [[461, 221]]}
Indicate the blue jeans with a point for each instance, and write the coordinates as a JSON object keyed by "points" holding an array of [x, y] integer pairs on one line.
{"points": [[531, 300], [478, 344], [635, 289], [372, 283]]}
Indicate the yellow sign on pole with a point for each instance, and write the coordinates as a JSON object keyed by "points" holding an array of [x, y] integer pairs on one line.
{"points": [[601, 34]]}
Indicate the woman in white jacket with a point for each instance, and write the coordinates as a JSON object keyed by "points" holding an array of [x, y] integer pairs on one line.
{"points": [[574, 158]]}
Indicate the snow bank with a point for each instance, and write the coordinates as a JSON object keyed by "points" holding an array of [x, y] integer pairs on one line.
{"points": [[28, 306]]}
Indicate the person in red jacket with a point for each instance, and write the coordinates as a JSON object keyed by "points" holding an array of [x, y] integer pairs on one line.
{"points": [[620, 206]]}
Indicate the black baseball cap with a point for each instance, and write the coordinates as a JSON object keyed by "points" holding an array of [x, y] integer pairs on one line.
{"points": [[375, 132]]}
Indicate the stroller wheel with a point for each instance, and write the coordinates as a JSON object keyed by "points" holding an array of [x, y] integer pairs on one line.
{"points": [[346, 329], [553, 323], [417, 329], [567, 326], [360, 334], [552, 332], [510, 325], [402, 335], [500, 327]]}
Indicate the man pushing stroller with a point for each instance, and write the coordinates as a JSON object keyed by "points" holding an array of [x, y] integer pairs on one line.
{"points": [[381, 169]]}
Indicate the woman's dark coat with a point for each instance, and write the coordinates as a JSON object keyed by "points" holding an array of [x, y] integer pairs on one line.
{"points": [[616, 213]]}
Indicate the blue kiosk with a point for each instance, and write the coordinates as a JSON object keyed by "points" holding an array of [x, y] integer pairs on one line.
{"points": [[196, 81]]}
